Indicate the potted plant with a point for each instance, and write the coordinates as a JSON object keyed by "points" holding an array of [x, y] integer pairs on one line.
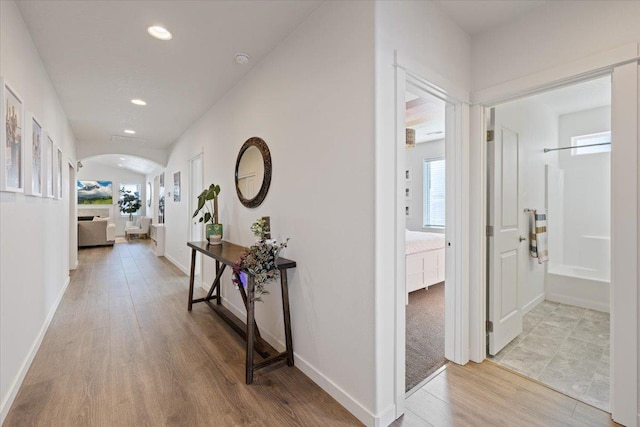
{"points": [[260, 259], [208, 210], [129, 203]]}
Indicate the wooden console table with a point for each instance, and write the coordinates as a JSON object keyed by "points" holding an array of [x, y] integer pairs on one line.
{"points": [[228, 254]]}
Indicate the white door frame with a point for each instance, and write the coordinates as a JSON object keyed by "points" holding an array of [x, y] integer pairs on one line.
{"points": [[457, 231], [622, 63], [73, 217]]}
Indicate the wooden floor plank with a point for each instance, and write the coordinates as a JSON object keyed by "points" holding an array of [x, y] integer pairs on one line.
{"points": [[122, 350]]}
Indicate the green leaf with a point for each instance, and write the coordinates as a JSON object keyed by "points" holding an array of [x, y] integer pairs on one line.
{"points": [[207, 217]]}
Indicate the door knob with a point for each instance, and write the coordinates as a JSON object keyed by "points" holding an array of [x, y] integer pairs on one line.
{"points": [[522, 238]]}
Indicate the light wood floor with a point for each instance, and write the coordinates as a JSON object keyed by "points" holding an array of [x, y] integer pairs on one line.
{"points": [[123, 350], [488, 395]]}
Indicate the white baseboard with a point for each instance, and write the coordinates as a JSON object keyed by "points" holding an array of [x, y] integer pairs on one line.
{"points": [[74, 266], [182, 268], [13, 390], [334, 390], [531, 305], [579, 302], [387, 417]]}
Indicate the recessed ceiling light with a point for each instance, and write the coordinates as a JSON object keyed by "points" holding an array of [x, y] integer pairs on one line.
{"points": [[122, 158], [129, 131], [242, 58], [160, 33], [138, 102]]}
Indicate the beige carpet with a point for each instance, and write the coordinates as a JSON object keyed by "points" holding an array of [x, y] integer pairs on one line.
{"points": [[425, 334]]}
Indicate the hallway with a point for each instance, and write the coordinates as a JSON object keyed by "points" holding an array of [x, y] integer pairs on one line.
{"points": [[122, 350]]}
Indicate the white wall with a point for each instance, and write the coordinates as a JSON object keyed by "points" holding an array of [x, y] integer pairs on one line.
{"points": [[537, 127], [587, 192], [430, 45], [34, 253], [93, 170], [311, 100], [553, 34], [415, 158]]}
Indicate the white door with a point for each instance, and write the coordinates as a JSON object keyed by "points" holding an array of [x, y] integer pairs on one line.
{"points": [[505, 245], [195, 188]]}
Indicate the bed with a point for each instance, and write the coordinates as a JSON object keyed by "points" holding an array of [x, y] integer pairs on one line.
{"points": [[424, 259]]}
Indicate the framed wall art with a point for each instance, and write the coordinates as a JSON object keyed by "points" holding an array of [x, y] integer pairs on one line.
{"points": [[12, 140], [95, 192], [176, 187], [48, 157], [58, 166], [33, 164]]}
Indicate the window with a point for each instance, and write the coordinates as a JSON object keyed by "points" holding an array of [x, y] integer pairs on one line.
{"points": [[434, 193], [132, 189], [594, 138]]}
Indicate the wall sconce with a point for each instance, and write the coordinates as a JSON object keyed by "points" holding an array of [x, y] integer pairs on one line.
{"points": [[410, 138]]}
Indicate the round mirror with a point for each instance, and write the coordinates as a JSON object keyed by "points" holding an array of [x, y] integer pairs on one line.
{"points": [[253, 172]]}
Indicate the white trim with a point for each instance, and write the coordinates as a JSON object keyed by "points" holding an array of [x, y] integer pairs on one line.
{"points": [[578, 302], [582, 69], [334, 390], [13, 390], [399, 255], [477, 242], [457, 229], [175, 262], [625, 91], [624, 401], [532, 304]]}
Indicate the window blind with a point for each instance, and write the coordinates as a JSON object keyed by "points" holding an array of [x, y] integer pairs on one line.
{"points": [[434, 193]]}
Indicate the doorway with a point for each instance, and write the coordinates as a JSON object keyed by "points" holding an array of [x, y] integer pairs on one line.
{"points": [[549, 256], [456, 315], [196, 185], [425, 235]]}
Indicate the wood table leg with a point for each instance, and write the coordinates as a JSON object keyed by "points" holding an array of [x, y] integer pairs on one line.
{"points": [[192, 277], [250, 329], [287, 316], [218, 298]]}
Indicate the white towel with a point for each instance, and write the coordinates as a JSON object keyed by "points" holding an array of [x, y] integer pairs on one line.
{"points": [[538, 244]]}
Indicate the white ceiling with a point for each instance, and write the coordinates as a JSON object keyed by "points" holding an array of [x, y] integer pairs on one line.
{"points": [[132, 163], [99, 56], [476, 16], [425, 114]]}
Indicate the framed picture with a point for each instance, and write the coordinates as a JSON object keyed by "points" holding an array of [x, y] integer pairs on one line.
{"points": [[58, 173], [95, 192], [33, 165], [176, 187], [48, 166], [408, 192], [11, 138]]}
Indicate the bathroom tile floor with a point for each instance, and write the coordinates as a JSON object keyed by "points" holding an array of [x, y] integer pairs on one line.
{"points": [[566, 348]]}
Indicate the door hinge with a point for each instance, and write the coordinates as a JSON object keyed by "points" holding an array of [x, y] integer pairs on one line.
{"points": [[488, 326], [490, 135], [489, 231]]}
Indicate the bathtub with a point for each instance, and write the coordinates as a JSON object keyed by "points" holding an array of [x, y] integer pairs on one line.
{"points": [[579, 286]]}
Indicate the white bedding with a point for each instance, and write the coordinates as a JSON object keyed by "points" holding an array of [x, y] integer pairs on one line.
{"points": [[417, 241]]}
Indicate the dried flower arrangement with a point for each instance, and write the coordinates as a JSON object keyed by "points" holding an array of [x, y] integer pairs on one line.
{"points": [[260, 260]]}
